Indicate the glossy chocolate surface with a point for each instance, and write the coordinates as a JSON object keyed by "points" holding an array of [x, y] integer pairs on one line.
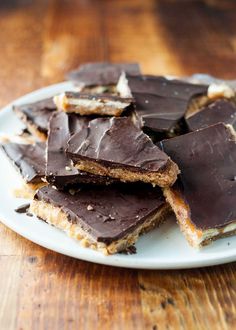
{"points": [[59, 168], [101, 73], [28, 159], [118, 143], [162, 102], [37, 113], [158, 85], [107, 213], [207, 184], [220, 111]]}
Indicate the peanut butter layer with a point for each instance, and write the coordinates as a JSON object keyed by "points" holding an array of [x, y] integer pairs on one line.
{"points": [[204, 197], [87, 104], [105, 218], [116, 147]]}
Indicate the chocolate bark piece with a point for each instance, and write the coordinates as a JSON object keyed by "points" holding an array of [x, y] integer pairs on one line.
{"points": [[88, 104], [160, 102], [36, 116], [28, 159], [158, 85], [107, 218], [101, 77], [219, 111], [59, 169], [118, 148], [204, 197]]}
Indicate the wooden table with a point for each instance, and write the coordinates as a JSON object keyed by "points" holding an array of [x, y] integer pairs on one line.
{"points": [[40, 41]]}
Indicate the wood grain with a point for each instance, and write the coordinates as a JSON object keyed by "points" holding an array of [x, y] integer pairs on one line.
{"points": [[40, 42]]}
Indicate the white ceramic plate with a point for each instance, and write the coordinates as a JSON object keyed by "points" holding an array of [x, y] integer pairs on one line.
{"points": [[163, 248]]}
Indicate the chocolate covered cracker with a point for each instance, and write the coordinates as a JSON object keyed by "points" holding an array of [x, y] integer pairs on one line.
{"points": [[59, 168], [160, 102], [101, 77], [117, 148], [106, 218], [29, 161], [204, 197], [219, 111], [87, 104], [36, 116]]}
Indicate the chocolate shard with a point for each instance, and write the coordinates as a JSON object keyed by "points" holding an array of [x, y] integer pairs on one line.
{"points": [[107, 218], [101, 77], [160, 102], [36, 116], [118, 148], [219, 111], [88, 104], [22, 208], [28, 159], [204, 198], [59, 169]]}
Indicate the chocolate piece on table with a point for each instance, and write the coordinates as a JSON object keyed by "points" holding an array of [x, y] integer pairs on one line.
{"points": [[117, 148], [220, 111], [106, 218], [88, 104], [101, 77], [29, 161], [59, 169], [36, 116], [161, 102], [204, 197]]}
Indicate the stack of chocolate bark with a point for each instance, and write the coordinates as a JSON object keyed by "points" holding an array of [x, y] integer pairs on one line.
{"points": [[111, 160]]}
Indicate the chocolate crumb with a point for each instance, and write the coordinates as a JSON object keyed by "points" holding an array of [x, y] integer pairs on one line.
{"points": [[129, 250], [22, 208]]}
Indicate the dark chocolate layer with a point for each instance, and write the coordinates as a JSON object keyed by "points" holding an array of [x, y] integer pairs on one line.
{"points": [[59, 169], [37, 113], [160, 102], [107, 213], [220, 111], [101, 73], [207, 184], [28, 159], [158, 113], [119, 142], [161, 86]]}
